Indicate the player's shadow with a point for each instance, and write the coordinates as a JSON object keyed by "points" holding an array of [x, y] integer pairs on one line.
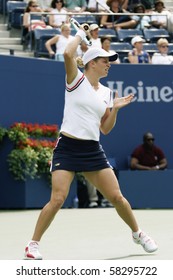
{"points": [[131, 256]]}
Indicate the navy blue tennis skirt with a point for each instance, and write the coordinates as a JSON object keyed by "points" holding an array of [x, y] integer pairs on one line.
{"points": [[78, 155]]}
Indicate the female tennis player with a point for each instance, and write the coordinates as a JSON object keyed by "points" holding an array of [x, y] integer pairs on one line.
{"points": [[89, 110]]}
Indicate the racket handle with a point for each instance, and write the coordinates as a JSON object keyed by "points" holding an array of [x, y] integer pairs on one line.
{"points": [[76, 26]]}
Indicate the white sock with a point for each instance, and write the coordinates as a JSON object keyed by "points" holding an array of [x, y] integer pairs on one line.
{"points": [[136, 233]]}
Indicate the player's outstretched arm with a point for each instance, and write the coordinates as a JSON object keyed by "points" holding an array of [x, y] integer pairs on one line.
{"points": [[110, 117]]}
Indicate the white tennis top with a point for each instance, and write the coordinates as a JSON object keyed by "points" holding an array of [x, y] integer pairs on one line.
{"points": [[84, 108]]}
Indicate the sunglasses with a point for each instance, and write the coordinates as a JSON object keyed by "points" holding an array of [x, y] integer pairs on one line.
{"points": [[150, 139]]}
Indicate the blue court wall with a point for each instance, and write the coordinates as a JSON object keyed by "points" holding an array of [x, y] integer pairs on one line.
{"points": [[32, 90]]}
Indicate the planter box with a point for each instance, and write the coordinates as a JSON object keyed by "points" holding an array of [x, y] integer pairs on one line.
{"points": [[32, 194], [37, 193], [16, 194]]}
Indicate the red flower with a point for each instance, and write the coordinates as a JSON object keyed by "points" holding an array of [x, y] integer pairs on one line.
{"points": [[38, 130]]}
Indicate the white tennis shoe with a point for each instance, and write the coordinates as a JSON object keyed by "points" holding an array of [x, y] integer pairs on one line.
{"points": [[32, 251], [146, 242]]}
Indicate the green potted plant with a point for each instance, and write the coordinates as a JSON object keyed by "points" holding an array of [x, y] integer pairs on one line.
{"points": [[17, 133], [3, 132], [23, 163]]}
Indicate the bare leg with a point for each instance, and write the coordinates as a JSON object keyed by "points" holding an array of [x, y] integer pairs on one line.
{"points": [[106, 182], [61, 181]]}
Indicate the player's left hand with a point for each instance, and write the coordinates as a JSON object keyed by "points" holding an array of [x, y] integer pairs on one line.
{"points": [[120, 102]]}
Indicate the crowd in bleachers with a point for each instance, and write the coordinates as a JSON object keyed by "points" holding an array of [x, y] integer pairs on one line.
{"points": [[118, 20]]}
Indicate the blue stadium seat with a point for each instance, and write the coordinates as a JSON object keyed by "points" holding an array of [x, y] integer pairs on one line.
{"points": [[85, 18], [125, 59], [122, 49], [14, 11], [152, 35], [40, 38], [15, 18], [38, 33], [170, 50], [11, 5], [118, 46], [125, 35], [108, 32], [150, 48]]}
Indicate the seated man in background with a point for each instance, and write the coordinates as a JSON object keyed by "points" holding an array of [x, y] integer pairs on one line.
{"points": [[148, 156]]}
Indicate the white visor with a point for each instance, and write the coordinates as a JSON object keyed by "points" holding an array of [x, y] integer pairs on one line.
{"points": [[98, 52]]}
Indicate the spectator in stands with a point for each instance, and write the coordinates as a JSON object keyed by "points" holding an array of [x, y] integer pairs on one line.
{"points": [[44, 5], [117, 21], [75, 5], [60, 41], [87, 193], [148, 4], [30, 23], [57, 16], [162, 56], [142, 21], [160, 15], [148, 156], [94, 32], [125, 4], [38, 21], [106, 44], [82, 48], [92, 195], [137, 55], [93, 6]]}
